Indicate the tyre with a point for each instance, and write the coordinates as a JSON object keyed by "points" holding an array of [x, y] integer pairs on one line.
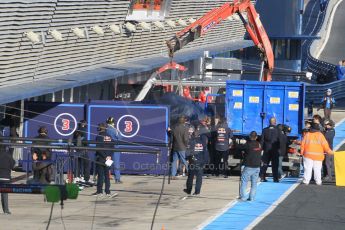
{"points": [[295, 173]]}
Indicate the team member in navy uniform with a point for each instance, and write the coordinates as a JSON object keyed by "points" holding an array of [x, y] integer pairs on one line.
{"points": [[6, 165], [115, 136], [222, 138], [191, 130], [283, 143], [328, 163], [270, 142], [205, 135], [101, 157], [42, 166], [197, 160], [83, 162]]}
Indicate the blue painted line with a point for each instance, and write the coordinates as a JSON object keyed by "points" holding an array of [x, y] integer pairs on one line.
{"points": [[242, 214]]}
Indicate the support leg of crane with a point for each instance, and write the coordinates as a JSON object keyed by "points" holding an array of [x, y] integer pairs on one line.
{"points": [[261, 70]]}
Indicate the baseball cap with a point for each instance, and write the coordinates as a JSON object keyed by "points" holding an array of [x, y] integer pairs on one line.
{"points": [[329, 122], [110, 120]]}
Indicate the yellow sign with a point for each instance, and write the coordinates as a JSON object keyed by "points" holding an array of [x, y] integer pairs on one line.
{"points": [[293, 107], [293, 94], [254, 99], [339, 164], [237, 93], [238, 105], [274, 100]]}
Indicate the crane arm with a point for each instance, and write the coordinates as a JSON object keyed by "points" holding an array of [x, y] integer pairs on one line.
{"points": [[153, 78], [253, 26]]}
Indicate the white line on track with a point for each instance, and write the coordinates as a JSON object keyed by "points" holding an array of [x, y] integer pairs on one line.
{"points": [[329, 29], [221, 212], [212, 218], [273, 206]]}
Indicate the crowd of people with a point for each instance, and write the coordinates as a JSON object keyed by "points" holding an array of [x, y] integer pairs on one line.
{"points": [[199, 148], [43, 166], [194, 144], [196, 147], [316, 142]]}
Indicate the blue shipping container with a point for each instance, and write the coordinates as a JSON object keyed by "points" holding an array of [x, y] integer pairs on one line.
{"points": [[250, 105]]}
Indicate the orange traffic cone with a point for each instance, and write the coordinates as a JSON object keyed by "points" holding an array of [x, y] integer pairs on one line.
{"points": [[163, 227]]}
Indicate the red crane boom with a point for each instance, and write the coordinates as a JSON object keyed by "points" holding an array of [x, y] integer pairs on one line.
{"points": [[253, 26]]}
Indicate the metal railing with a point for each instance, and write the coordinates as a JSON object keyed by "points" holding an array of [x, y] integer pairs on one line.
{"points": [[324, 72], [315, 92], [72, 151]]}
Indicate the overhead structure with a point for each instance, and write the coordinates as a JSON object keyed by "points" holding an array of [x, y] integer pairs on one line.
{"points": [[253, 26], [153, 78]]}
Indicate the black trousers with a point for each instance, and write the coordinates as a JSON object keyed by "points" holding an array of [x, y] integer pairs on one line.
{"points": [[327, 113], [221, 167], [103, 177], [328, 166], [4, 200], [197, 171], [82, 166], [267, 157]]}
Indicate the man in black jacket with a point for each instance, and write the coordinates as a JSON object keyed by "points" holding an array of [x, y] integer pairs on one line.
{"points": [[197, 159], [223, 136], [252, 162], [206, 138], [6, 165], [283, 143], [270, 142], [82, 170], [328, 164], [101, 158], [179, 144], [42, 166]]}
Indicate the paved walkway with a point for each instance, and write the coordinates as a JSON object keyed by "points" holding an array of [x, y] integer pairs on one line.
{"points": [[132, 209], [134, 206]]}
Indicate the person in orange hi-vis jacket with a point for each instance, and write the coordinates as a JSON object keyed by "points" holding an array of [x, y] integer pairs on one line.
{"points": [[313, 148]]}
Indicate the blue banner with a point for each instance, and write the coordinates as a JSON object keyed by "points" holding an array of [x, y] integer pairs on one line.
{"points": [[136, 123], [61, 121]]}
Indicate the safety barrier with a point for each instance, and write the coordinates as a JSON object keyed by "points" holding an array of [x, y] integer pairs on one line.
{"points": [[324, 72], [315, 92]]}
